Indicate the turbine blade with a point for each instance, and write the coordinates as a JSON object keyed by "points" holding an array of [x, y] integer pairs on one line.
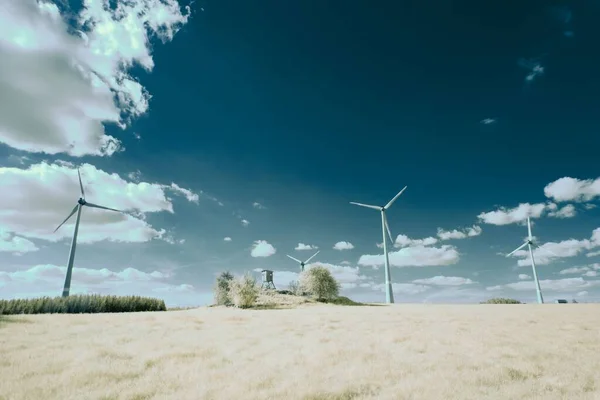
{"points": [[529, 228], [66, 219], [80, 184], [295, 259], [387, 227], [101, 207], [517, 249], [546, 250], [366, 205], [311, 257], [388, 205]]}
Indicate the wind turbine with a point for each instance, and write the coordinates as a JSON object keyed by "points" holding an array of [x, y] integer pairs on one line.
{"points": [[80, 204], [530, 243], [389, 295], [303, 263]]}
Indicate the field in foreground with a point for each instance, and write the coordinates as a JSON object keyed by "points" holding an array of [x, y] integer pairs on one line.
{"points": [[312, 352]]}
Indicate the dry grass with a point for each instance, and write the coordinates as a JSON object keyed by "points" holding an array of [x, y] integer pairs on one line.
{"points": [[311, 352]]}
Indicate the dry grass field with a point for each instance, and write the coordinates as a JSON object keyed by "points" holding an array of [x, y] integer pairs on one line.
{"points": [[311, 352]]}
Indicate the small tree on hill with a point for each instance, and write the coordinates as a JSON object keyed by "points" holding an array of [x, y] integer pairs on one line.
{"points": [[319, 282], [244, 291], [222, 289]]}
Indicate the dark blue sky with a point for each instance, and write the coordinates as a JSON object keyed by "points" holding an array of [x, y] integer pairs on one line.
{"points": [[332, 92]]}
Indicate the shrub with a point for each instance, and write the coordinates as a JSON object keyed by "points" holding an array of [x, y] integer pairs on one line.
{"points": [[244, 291], [294, 288], [81, 304], [500, 300], [318, 282], [222, 289]]}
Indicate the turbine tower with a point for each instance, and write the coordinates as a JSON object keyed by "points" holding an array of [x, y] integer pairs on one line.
{"points": [[80, 204], [530, 243], [303, 263], [389, 295]]}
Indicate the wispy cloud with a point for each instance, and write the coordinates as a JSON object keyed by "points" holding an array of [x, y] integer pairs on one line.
{"points": [[258, 206]]}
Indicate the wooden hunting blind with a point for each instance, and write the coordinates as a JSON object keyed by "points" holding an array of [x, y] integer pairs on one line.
{"points": [[267, 279]]}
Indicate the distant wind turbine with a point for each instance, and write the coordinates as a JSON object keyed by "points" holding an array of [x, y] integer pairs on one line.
{"points": [[389, 295], [80, 204], [529, 243], [303, 263]]}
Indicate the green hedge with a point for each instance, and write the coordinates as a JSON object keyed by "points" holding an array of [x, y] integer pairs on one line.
{"points": [[500, 300], [81, 304]]}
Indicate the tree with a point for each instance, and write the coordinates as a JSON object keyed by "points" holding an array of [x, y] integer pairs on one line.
{"points": [[319, 282], [222, 289], [294, 288], [244, 291]]}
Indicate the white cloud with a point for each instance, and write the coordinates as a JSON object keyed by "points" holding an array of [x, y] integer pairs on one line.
{"points": [[11, 243], [345, 263], [591, 273], [524, 277], [550, 251], [343, 246], [227, 239], [48, 280], [444, 281], [567, 211], [417, 256], [262, 248], [574, 270], [60, 84], [258, 206], [302, 246], [245, 223], [488, 121], [403, 288], [593, 254], [582, 293], [505, 216], [405, 241], [36, 200], [589, 206], [557, 285], [348, 277], [573, 189], [475, 230]]}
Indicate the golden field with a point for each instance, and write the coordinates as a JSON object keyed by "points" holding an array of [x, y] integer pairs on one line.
{"points": [[311, 352]]}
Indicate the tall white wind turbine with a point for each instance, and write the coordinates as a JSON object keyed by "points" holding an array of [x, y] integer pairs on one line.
{"points": [[303, 263], [389, 295], [530, 244], [80, 204]]}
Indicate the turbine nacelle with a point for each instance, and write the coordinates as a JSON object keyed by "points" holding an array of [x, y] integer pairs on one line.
{"points": [[82, 201]]}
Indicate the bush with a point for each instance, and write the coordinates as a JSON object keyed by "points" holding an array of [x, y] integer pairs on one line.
{"points": [[294, 288], [222, 289], [244, 291], [500, 300], [81, 304], [318, 282]]}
